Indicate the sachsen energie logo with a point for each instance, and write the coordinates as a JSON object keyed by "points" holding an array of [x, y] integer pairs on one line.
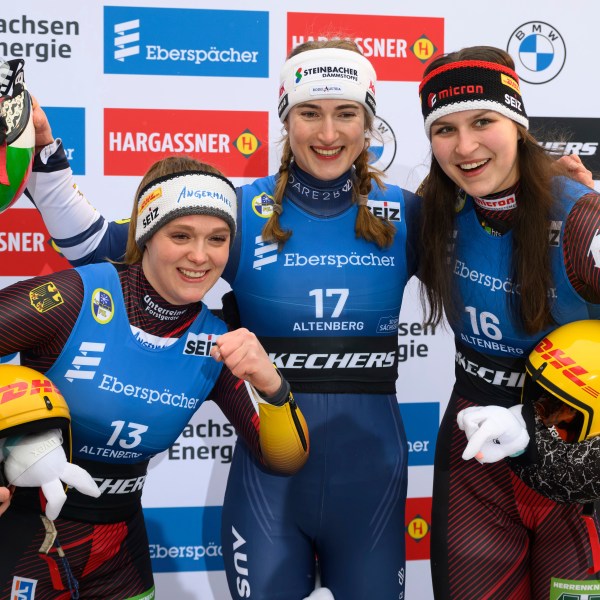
{"points": [[233, 141], [398, 47], [178, 41]]}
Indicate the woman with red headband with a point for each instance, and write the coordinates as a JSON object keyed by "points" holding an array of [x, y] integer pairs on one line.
{"points": [[508, 258]]}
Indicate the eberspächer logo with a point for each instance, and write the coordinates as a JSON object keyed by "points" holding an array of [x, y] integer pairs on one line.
{"points": [[127, 37], [538, 50], [183, 41]]}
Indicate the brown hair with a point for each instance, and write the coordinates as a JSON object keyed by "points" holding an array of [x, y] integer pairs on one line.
{"points": [[531, 268], [367, 226], [166, 166]]}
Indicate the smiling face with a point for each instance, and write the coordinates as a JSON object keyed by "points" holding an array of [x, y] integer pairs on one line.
{"points": [[326, 136], [185, 257], [478, 150]]}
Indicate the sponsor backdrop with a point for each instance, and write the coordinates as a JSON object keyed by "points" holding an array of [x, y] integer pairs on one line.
{"points": [[126, 83]]}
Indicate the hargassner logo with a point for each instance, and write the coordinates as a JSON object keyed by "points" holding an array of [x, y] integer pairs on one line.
{"points": [[25, 250], [88, 357], [178, 41], [397, 46], [127, 38], [264, 253], [137, 137]]}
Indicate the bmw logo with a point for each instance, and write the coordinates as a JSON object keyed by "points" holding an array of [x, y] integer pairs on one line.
{"points": [[538, 50], [383, 144]]}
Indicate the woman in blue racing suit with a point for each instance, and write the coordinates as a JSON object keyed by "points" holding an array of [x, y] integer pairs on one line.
{"points": [[318, 270]]}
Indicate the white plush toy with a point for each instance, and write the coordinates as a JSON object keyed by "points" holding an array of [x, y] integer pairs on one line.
{"points": [[39, 460], [321, 594], [494, 432]]}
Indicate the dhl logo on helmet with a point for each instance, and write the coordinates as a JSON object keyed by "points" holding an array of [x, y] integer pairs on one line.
{"points": [[18, 389], [558, 359]]}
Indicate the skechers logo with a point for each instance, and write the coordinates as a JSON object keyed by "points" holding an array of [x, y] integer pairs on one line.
{"points": [[565, 148]]}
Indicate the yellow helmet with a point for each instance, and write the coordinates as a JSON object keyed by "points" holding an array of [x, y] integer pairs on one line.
{"points": [[566, 365], [30, 402]]}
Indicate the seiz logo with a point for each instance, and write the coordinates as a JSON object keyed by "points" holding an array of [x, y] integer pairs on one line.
{"points": [[86, 358], [199, 344], [554, 233], [264, 253], [125, 34], [18, 389], [384, 209], [23, 588], [558, 359]]}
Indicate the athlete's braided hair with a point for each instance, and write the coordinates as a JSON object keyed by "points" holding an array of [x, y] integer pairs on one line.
{"points": [[368, 226]]}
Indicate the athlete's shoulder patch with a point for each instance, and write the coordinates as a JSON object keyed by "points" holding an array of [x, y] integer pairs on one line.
{"points": [[103, 307], [262, 205], [45, 297]]}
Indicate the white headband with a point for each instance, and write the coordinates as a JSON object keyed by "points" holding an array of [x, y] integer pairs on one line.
{"points": [[181, 194], [325, 74]]}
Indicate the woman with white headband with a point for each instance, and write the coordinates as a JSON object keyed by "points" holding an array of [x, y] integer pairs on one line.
{"points": [[519, 264], [318, 269], [135, 353]]}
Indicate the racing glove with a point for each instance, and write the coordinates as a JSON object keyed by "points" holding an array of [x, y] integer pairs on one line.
{"points": [[39, 460], [493, 432]]}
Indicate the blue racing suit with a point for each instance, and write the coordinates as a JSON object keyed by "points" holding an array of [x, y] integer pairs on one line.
{"points": [[326, 308]]}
